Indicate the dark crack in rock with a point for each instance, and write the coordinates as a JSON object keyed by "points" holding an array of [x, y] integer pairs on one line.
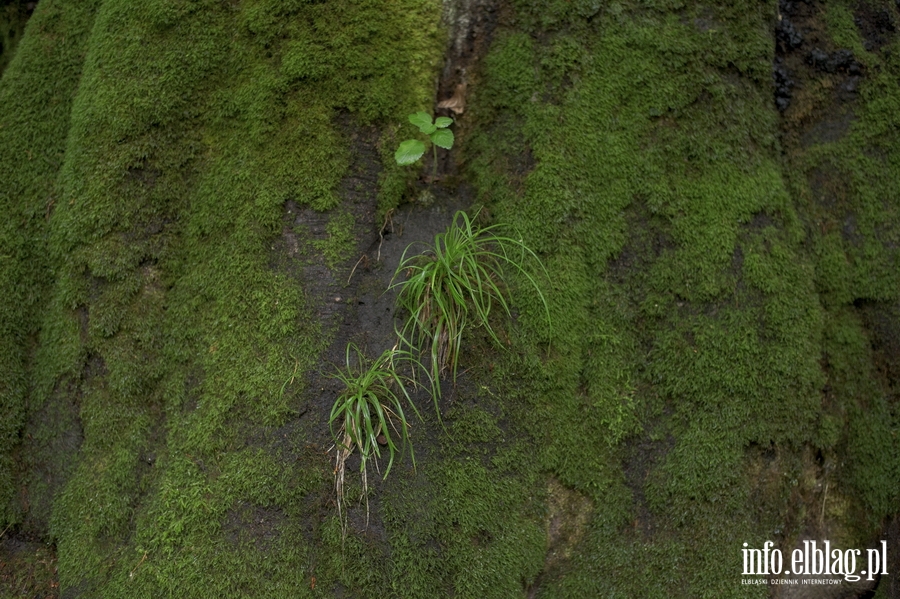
{"points": [[786, 35], [841, 61], [783, 85]]}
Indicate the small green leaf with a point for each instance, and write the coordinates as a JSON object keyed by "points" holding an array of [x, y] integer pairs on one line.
{"points": [[409, 151], [422, 120], [442, 122], [442, 138]]}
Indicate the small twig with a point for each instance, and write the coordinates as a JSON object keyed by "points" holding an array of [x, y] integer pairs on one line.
{"points": [[290, 381], [388, 217], [361, 258], [138, 566], [824, 497]]}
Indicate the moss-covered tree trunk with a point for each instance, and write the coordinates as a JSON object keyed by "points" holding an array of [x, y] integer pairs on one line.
{"points": [[201, 209]]}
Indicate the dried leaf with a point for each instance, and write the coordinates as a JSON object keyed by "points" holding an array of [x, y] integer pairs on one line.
{"points": [[457, 103]]}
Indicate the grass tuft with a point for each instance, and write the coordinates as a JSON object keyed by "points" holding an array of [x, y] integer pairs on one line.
{"points": [[370, 409], [455, 284]]}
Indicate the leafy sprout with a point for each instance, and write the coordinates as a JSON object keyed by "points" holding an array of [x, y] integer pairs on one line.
{"points": [[455, 284], [412, 149], [370, 409]]}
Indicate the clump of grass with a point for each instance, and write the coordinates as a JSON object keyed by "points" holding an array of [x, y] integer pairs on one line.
{"points": [[370, 409], [454, 285]]}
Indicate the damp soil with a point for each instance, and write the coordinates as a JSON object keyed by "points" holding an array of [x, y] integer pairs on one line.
{"points": [[357, 299]]}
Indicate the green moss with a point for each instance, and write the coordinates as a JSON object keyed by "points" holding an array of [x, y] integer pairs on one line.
{"points": [[871, 448], [843, 31], [13, 17], [683, 300], [36, 95], [340, 242], [849, 187], [466, 524], [634, 145], [166, 327], [27, 569]]}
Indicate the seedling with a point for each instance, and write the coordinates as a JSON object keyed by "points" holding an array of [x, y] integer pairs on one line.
{"points": [[412, 149], [455, 284], [370, 409]]}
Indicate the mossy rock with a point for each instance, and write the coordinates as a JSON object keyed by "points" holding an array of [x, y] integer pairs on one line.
{"points": [[202, 207]]}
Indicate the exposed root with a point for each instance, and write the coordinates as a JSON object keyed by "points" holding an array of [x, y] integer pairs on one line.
{"points": [[342, 454]]}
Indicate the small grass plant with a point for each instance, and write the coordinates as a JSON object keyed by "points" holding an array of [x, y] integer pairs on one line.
{"points": [[456, 284], [451, 286], [370, 409], [438, 133]]}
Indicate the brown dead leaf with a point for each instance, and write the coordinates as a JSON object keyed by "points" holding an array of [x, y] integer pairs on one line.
{"points": [[457, 103]]}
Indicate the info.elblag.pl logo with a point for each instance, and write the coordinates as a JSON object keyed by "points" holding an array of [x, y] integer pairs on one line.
{"points": [[815, 560]]}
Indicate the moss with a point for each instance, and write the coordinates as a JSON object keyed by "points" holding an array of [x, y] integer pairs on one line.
{"points": [[634, 145], [847, 185], [13, 17], [34, 118], [871, 448], [27, 568], [843, 31], [472, 527], [337, 247], [191, 127], [684, 300]]}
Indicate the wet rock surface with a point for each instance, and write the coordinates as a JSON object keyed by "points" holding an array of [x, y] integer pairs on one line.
{"points": [[783, 85], [787, 36], [877, 25]]}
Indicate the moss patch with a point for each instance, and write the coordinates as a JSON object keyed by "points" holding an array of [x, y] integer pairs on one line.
{"points": [[166, 326], [686, 300], [13, 16], [846, 185], [36, 97], [27, 570]]}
